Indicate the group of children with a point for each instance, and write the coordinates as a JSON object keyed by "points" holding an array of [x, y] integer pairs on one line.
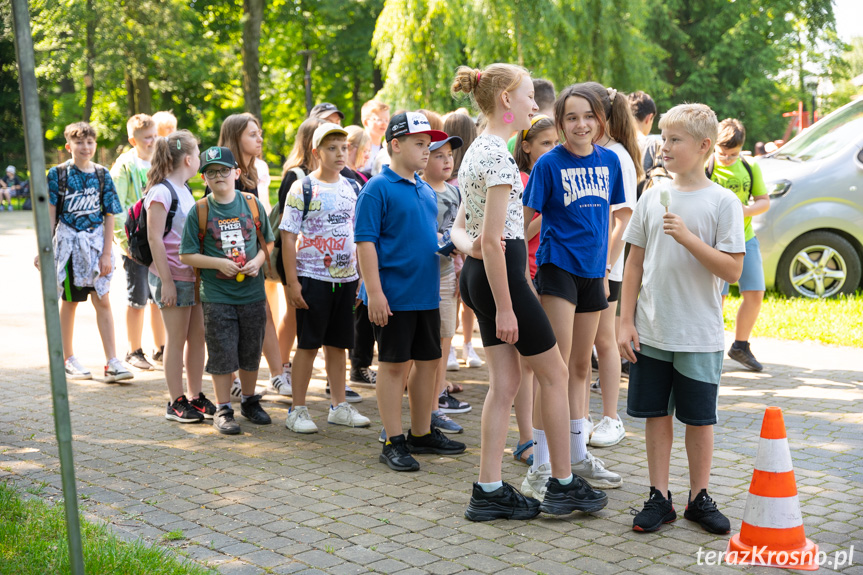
{"points": [[368, 249]]}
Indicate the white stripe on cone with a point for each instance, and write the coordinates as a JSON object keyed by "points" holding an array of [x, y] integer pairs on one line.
{"points": [[774, 455], [773, 512]]}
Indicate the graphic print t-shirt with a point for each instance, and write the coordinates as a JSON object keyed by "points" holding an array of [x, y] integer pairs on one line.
{"points": [[230, 234], [573, 194], [325, 247], [81, 209], [736, 179], [487, 163]]}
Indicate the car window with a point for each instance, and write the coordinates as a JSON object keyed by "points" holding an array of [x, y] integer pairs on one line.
{"points": [[827, 136]]}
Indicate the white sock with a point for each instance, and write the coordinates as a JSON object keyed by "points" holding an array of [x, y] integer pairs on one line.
{"points": [[221, 405], [489, 487], [540, 449], [577, 440]]}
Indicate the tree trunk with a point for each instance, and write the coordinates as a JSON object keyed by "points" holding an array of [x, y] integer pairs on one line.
{"points": [[377, 79], [131, 107], [357, 100], [143, 96], [253, 15], [90, 56]]}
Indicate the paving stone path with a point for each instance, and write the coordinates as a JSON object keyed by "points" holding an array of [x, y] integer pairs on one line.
{"points": [[270, 501]]}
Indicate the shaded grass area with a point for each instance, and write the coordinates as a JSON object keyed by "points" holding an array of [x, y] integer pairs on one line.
{"points": [[33, 542], [837, 321]]}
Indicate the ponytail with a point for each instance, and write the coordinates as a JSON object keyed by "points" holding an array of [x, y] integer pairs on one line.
{"points": [[168, 156]]}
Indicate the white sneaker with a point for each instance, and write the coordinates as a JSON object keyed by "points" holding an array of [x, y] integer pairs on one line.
{"points": [[588, 428], [299, 420], [452, 360], [594, 472], [609, 432], [74, 369], [280, 385], [116, 371], [346, 414], [470, 356], [535, 482], [237, 389]]}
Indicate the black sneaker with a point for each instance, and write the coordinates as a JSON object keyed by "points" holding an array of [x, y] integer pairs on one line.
{"points": [[138, 360], [203, 406], [743, 355], [504, 503], [158, 356], [657, 510], [703, 511], [351, 396], [180, 410], [434, 442], [251, 409], [449, 404], [224, 422], [363, 376], [577, 496], [397, 456]]}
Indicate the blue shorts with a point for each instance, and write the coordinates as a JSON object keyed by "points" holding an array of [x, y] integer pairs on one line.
{"points": [[752, 278], [185, 291], [681, 383], [137, 284]]}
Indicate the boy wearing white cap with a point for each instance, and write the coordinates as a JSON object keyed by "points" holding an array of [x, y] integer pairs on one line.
{"points": [[321, 276]]}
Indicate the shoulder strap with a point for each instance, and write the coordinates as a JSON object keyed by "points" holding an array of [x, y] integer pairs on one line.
{"points": [[748, 171], [708, 170], [202, 208], [100, 175], [62, 177], [354, 185], [252, 201], [173, 210], [307, 195]]}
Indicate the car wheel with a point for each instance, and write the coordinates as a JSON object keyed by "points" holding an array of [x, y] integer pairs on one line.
{"points": [[819, 265]]}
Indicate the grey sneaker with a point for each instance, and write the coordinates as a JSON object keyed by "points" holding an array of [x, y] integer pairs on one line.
{"points": [[74, 369], [116, 371], [536, 482], [594, 472], [743, 355], [138, 360], [444, 423]]}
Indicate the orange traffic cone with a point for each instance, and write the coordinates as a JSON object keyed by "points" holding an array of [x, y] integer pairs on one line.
{"points": [[772, 531]]}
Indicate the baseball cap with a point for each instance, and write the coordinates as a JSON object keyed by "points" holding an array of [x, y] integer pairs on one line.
{"points": [[454, 142], [217, 155], [325, 109], [410, 123], [325, 130], [9, 169]]}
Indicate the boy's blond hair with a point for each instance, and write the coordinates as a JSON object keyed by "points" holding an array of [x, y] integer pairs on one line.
{"points": [[79, 131], [371, 107], [697, 120], [138, 122], [166, 122]]}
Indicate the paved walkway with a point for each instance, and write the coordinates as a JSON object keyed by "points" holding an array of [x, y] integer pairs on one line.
{"points": [[272, 501]]}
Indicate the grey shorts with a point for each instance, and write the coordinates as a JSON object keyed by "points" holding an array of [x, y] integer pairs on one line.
{"points": [[137, 283], [234, 336], [185, 291], [448, 306]]}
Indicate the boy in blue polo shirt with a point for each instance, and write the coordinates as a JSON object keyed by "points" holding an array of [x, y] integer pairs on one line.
{"points": [[396, 238]]}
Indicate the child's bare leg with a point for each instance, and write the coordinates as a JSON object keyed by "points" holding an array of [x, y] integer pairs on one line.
{"points": [[467, 321], [583, 334], [248, 380], [659, 435], [177, 327], [609, 362], [105, 323], [301, 374], [134, 326], [195, 351], [271, 347], [157, 325], [336, 362], [389, 391], [421, 391], [551, 374], [67, 326], [747, 315], [699, 452], [504, 377], [287, 330], [523, 404], [222, 387]]}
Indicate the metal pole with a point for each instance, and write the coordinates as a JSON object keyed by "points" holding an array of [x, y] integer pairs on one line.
{"points": [[39, 193]]}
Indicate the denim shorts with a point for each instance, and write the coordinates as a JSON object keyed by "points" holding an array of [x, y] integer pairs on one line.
{"points": [[234, 336], [185, 292], [137, 283], [752, 278]]}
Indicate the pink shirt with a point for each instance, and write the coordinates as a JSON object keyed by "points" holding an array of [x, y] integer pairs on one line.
{"points": [[186, 202]]}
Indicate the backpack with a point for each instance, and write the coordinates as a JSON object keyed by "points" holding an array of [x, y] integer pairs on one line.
{"points": [[62, 178], [711, 164], [136, 227], [654, 175], [202, 208]]}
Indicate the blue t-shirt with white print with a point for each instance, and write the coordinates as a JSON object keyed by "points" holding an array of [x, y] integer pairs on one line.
{"points": [[81, 209], [573, 194]]}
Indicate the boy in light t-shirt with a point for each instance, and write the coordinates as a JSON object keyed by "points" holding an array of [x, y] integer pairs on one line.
{"points": [[671, 326]]}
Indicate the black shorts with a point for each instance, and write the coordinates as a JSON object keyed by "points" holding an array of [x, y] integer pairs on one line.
{"points": [[409, 335], [330, 318], [71, 292], [614, 291], [535, 335], [586, 294], [234, 335]]}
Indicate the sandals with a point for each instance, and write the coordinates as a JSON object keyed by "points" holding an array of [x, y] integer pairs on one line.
{"points": [[454, 387], [519, 451]]}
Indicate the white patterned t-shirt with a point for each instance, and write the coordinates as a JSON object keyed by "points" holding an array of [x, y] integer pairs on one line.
{"points": [[488, 163]]}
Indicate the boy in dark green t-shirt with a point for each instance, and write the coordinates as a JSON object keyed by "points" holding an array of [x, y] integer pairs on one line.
{"points": [[229, 261], [736, 173]]}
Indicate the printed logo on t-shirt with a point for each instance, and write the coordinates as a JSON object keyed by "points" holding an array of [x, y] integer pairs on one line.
{"points": [[81, 203], [581, 182], [231, 235]]}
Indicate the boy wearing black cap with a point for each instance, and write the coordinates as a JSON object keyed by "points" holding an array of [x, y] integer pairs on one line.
{"points": [[226, 253], [396, 237]]}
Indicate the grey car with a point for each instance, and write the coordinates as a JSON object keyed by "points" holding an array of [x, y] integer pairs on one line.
{"points": [[812, 236]]}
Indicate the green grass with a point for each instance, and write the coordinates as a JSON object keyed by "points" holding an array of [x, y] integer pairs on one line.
{"points": [[33, 542], [837, 321]]}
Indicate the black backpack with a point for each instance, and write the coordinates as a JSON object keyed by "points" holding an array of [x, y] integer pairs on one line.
{"points": [[136, 227], [62, 178]]}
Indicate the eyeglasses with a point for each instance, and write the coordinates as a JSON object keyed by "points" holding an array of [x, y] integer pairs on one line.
{"points": [[217, 172]]}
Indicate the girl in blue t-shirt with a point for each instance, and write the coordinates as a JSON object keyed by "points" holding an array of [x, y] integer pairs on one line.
{"points": [[573, 187]]}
